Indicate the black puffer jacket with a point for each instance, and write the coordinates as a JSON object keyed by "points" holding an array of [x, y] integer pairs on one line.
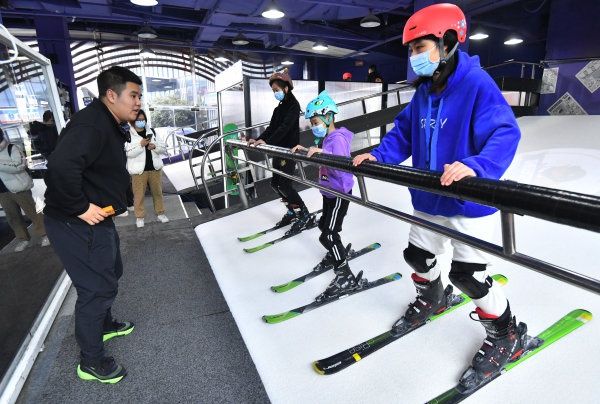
{"points": [[284, 128]]}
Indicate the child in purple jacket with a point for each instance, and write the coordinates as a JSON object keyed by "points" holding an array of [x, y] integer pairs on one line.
{"points": [[321, 113]]}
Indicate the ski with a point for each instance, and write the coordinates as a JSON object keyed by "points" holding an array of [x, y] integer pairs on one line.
{"points": [[344, 359], [319, 269], [278, 318], [561, 328], [314, 223], [270, 229]]}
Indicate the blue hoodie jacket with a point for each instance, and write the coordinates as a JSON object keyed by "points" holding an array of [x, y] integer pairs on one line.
{"points": [[469, 121], [338, 143]]}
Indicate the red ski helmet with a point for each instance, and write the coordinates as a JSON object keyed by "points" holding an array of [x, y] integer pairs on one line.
{"points": [[435, 20], [283, 76], [347, 76]]}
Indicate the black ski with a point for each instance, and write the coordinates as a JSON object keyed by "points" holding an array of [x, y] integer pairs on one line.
{"points": [[319, 269], [278, 318], [314, 223], [270, 229], [342, 360]]}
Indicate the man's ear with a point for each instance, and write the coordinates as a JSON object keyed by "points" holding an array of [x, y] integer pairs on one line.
{"points": [[111, 96]]}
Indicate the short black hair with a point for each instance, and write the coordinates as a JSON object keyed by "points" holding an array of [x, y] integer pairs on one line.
{"points": [[141, 112], [281, 84], [116, 79], [47, 116]]}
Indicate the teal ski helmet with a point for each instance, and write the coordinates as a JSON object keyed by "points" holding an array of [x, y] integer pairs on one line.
{"points": [[323, 107]]}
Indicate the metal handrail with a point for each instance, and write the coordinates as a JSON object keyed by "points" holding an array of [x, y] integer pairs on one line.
{"points": [[515, 62], [223, 168], [564, 207]]}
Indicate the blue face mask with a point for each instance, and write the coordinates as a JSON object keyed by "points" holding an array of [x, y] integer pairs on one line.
{"points": [[319, 131], [140, 124], [279, 95], [422, 65]]}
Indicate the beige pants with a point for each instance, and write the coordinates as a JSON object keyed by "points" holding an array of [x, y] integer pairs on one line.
{"points": [[138, 183], [12, 205]]}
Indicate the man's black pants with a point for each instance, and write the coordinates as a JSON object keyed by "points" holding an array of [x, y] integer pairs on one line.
{"points": [[92, 258]]}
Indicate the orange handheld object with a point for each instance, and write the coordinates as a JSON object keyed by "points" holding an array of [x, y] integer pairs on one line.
{"points": [[109, 209]]}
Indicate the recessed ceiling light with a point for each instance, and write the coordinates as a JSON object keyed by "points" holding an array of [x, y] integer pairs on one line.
{"points": [[221, 59], [240, 40], [156, 80], [320, 46], [272, 11], [287, 62], [144, 2], [513, 41], [370, 21], [479, 36], [147, 33]]}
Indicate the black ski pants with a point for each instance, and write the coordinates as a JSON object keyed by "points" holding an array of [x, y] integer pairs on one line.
{"points": [[330, 224], [92, 258], [283, 185]]}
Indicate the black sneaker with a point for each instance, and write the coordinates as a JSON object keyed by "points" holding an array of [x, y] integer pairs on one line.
{"points": [[106, 371], [118, 330]]}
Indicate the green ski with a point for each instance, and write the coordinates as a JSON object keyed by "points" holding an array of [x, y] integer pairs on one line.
{"points": [[319, 269], [289, 234], [363, 286], [270, 229], [561, 328]]}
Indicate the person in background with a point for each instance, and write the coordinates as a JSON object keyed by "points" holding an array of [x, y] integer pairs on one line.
{"points": [[347, 76], [284, 131], [15, 194], [87, 181], [44, 134], [145, 166], [373, 75]]}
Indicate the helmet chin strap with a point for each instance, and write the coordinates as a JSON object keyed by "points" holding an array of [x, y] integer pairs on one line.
{"points": [[443, 57]]}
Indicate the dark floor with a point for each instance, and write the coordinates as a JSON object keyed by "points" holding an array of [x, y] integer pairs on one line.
{"points": [[186, 346]]}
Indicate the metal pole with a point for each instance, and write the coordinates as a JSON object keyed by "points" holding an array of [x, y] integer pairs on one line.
{"points": [[363, 188], [508, 233], [223, 166]]}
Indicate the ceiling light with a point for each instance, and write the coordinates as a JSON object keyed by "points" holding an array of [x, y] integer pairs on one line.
{"points": [[156, 80], [370, 21], [144, 2], [221, 59], [272, 11], [240, 39], [320, 46], [287, 62], [147, 33], [513, 41], [479, 36], [147, 52]]}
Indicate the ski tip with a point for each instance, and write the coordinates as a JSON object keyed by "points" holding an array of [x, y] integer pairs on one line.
{"points": [[316, 368], [257, 248], [248, 238], [278, 318], [285, 287], [582, 315], [376, 245], [501, 279], [394, 277]]}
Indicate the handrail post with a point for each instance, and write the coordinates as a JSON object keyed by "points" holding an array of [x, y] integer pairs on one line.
{"points": [[507, 220], [301, 168], [363, 188]]}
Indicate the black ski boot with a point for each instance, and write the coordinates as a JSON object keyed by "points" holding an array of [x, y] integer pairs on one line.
{"points": [[328, 261], [304, 220], [505, 342], [288, 218], [431, 299], [343, 282]]}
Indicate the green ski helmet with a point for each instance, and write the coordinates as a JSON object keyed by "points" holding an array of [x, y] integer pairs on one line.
{"points": [[323, 107]]}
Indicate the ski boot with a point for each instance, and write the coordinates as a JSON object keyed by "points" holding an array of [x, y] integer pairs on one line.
{"points": [[288, 218], [431, 299], [328, 262], [304, 219], [344, 282], [505, 342]]}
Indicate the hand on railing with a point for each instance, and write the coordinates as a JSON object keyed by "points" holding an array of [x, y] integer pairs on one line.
{"points": [[456, 172], [362, 157], [297, 148], [254, 142]]}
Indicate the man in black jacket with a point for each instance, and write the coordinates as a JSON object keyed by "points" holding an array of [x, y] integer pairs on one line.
{"points": [[284, 131], [87, 181]]}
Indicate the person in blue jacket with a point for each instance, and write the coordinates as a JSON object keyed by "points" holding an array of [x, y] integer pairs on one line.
{"points": [[459, 123]]}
